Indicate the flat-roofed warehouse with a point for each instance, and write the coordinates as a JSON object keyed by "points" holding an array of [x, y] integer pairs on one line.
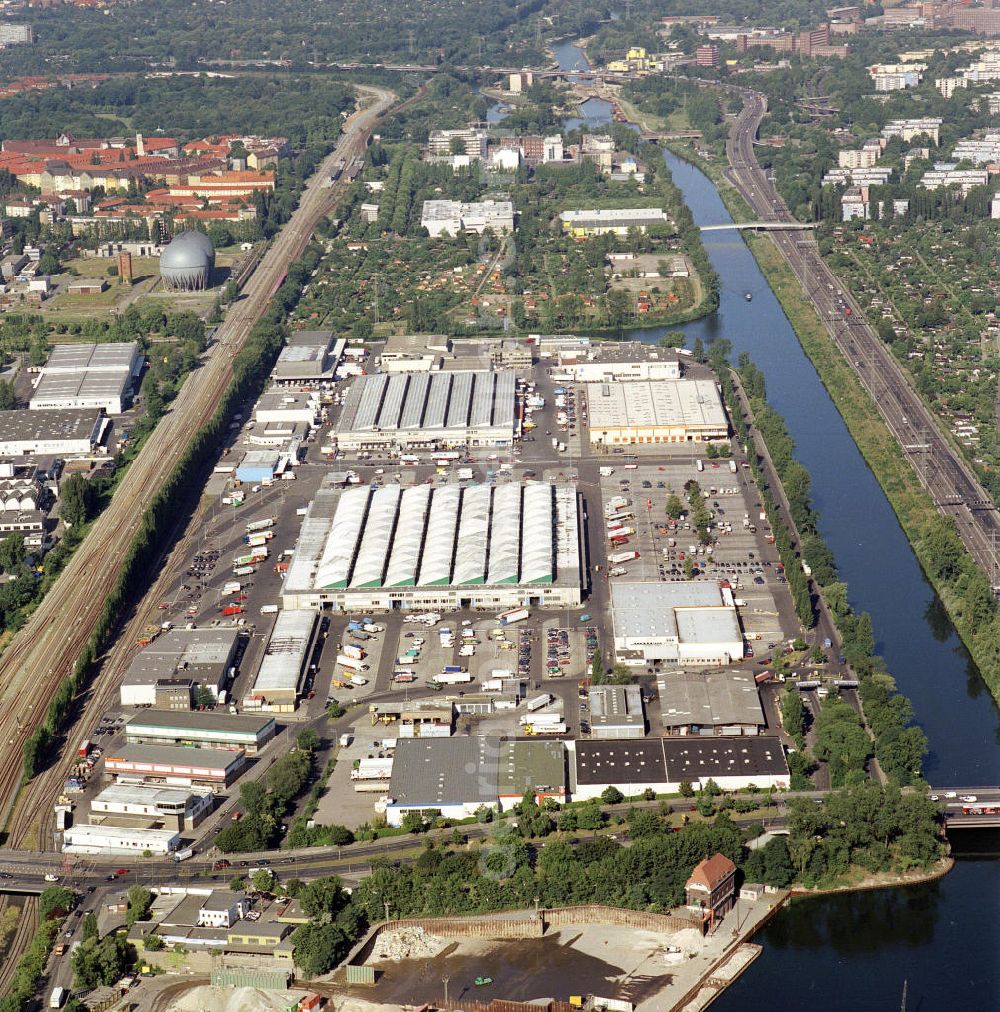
{"points": [[663, 764], [210, 729], [63, 432], [285, 664], [616, 711], [677, 623], [530, 765], [167, 764], [656, 411], [441, 409], [203, 655], [88, 376], [438, 546], [709, 703], [152, 806], [310, 356]]}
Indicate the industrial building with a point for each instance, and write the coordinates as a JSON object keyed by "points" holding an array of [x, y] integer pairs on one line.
{"points": [[619, 220], [533, 767], [452, 217], [310, 357], [444, 409], [208, 729], [616, 711], [442, 547], [152, 807], [617, 372], [110, 840], [94, 376], [258, 466], [709, 703], [205, 656], [678, 623], [286, 662], [453, 776], [663, 764], [657, 411], [285, 406], [167, 764], [60, 432]]}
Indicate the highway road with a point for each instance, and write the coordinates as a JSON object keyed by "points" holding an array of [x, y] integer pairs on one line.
{"points": [[942, 470], [46, 649]]}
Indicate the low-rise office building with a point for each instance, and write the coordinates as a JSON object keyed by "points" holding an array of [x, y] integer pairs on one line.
{"points": [[617, 372], [656, 411], [617, 221], [285, 406], [709, 703], [310, 358], [453, 218], [167, 764], [208, 729], [110, 840], [676, 623]]}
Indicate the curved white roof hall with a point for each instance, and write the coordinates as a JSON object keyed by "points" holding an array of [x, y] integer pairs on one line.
{"points": [[536, 535], [405, 557], [435, 564], [473, 536], [370, 565], [505, 534], [334, 568]]}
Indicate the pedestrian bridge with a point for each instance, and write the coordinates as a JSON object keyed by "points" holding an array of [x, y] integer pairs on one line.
{"points": [[762, 226]]}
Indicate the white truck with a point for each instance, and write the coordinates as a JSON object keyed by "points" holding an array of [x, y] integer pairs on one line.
{"points": [[57, 997], [510, 617], [606, 472], [452, 678], [617, 558], [232, 587], [538, 702], [183, 855], [372, 769], [358, 680], [351, 663], [534, 728], [538, 719], [353, 650], [732, 467], [372, 627], [269, 609]]}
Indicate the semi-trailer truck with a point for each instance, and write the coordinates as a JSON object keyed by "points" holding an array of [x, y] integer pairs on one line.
{"points": [[538, 702], [260, 525], [618, 558], [452, 678], [351, 663], [510, 617]]}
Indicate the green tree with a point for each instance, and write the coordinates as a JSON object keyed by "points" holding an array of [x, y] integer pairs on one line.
{"points": [[263, 880], [89, 926], [319, 947], [308, 740], [335, 710], [139, 901], [612, 796], [7, 399], [56, 901]]}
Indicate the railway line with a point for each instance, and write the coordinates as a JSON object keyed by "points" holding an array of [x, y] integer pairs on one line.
{"points": [[942, 471], [46, 649]]}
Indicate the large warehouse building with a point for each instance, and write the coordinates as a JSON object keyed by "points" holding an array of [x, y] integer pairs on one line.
{"points": [[677, 623], [61, 433], [151, 806], [111, 840], [663, 764], [165, 764], [709, 703], [285, 665], [446, 547], [656, 411], [204, 656], [208, 729], [443, 409], [88, 376]]}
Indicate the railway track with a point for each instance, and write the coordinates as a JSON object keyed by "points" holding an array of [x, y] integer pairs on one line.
{"points": [[939, 466], [46, 649]]}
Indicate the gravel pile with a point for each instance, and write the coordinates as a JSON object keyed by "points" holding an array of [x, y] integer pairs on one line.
{"points": [[407, 943]]}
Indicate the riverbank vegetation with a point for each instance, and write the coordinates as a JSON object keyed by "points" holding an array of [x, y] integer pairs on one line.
{"points": [[841, 740], [865, 829]]}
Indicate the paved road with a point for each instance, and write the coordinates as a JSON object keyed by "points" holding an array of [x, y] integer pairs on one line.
{"points": [[45, 651], [940, 467]]}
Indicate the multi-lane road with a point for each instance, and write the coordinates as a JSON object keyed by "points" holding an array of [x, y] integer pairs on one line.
{"points": [[939, 465], [46, 649]]}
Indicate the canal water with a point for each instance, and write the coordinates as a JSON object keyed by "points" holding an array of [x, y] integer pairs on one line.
{"points": [[856, 950]]}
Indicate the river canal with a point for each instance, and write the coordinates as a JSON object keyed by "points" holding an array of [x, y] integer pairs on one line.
{"points": [[855, 950]]}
